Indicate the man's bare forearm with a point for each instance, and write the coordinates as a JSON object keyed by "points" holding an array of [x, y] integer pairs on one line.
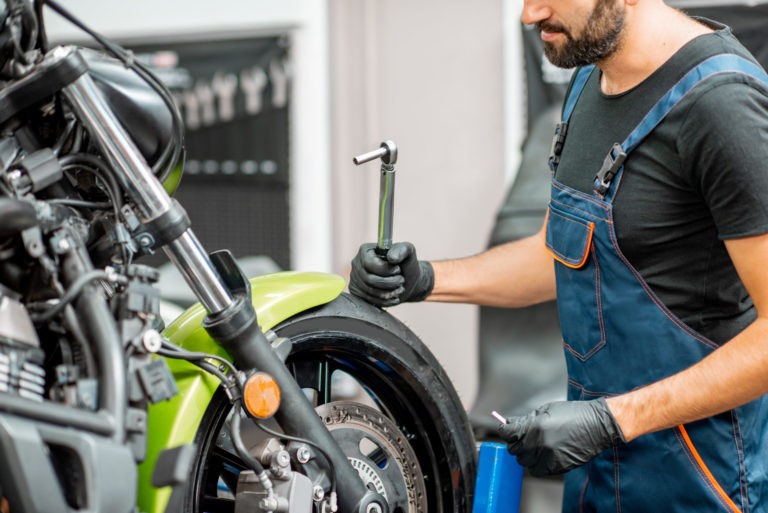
{"points": [[734, 374], [514, 274]]}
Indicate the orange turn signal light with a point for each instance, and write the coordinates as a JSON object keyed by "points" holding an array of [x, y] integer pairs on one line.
{"points": [[261, 395]]}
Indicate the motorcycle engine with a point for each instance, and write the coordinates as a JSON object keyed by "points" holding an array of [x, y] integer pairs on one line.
{"points": [[21, 359]]}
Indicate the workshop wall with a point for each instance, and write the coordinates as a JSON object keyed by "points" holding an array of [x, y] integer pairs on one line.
{"points": [[427, 75]]}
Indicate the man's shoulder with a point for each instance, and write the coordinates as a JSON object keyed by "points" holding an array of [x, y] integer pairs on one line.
{"points": [[698, 50], [718, 91]]}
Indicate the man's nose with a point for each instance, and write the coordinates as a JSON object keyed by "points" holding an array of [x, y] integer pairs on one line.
{"points": [[535, 11]]}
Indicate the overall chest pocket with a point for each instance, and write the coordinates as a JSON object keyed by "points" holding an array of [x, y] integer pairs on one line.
{"points": [[579, 305]]}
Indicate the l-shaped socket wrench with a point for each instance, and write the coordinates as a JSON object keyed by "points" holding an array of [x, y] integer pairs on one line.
{"points": [[387, 152]]}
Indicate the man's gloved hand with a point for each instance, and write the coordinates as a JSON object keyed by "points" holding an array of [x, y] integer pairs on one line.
{"points": [[390, 280], [562, 435]]}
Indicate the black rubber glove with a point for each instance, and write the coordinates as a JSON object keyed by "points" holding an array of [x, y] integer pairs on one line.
{"points": [[562, 435], [389, 281]]}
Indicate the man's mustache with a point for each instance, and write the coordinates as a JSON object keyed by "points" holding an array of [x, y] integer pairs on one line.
{"points": [[552, 28]]}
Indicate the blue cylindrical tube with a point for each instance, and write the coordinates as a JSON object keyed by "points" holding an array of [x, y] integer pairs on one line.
{"points": [[499, 480]]}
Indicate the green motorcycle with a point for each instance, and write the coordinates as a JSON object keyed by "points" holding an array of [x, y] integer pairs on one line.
{"points": [[236, 406]]}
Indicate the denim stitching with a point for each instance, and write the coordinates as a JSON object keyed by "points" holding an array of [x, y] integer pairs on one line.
{"points": [[562, 256], [567, 207], [595, 201], [652, 296], [616, 478], [599, 305], [699, 471], [739, 443], [583, 494]]}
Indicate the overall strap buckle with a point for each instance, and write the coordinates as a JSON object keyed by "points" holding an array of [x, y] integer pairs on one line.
{"points": [[557, 145], [610, 168]]}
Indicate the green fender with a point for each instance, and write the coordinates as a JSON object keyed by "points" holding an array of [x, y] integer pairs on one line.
{"points": [[276, 297]]}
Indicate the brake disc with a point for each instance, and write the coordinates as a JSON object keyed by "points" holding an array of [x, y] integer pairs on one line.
{"points": [[379, 452]]}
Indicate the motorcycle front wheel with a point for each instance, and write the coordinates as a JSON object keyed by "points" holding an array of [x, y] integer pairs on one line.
{"points": [[378, 377]]}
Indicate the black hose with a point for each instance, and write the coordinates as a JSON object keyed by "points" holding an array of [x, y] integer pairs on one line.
{"points": [[190, 355], [197, 359], [237, 441], [16, 216], [70, 295], [80, 203], [99, 168], [99, 323]]}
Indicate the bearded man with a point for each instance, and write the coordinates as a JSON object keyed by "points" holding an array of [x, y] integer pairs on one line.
{"points": [[654, 246]]}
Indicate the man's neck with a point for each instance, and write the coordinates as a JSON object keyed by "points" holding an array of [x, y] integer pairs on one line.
{"points": [[651, 37]]}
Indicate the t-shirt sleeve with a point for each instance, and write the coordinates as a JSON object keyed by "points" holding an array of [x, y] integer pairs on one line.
{"points": [[724, 149]]}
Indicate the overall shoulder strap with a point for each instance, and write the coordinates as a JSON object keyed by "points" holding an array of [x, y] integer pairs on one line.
{"points": [[715, 65], [574, 91]]}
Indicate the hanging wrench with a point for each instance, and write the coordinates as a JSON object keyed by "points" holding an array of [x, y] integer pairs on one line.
{"points": [[387, 152]]}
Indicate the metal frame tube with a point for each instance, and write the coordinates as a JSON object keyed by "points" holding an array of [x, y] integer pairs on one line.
{"points": [[100, 423]]}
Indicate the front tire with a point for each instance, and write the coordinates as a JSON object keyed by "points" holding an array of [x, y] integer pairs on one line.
{"points": [[393, 372]]}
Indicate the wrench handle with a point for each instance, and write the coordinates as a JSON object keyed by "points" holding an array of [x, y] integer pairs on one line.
{"points": [[371, 155], [386, 208]]}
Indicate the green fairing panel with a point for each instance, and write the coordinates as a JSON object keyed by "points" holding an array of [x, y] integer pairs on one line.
{"points": [[276, 297]]}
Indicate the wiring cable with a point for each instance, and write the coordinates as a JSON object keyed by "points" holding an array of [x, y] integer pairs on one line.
{"points": [[198, 359], [192, 355], [100, 169], [237, 440], [80, 203], [174, 150], [70, 295]]}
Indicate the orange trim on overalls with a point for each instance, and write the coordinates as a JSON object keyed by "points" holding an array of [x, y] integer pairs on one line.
{"points": [[591, 226], [719, 489]]}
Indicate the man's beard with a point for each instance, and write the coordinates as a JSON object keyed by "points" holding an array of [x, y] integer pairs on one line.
{"points": [[600, 39]]}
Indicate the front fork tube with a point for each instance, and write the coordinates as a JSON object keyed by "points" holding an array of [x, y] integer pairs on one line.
{"points": [[145, 190], [232, 320], [238, 332]]}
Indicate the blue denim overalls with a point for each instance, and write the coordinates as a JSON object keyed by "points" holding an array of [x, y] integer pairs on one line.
{"points": [[618, 336]]}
